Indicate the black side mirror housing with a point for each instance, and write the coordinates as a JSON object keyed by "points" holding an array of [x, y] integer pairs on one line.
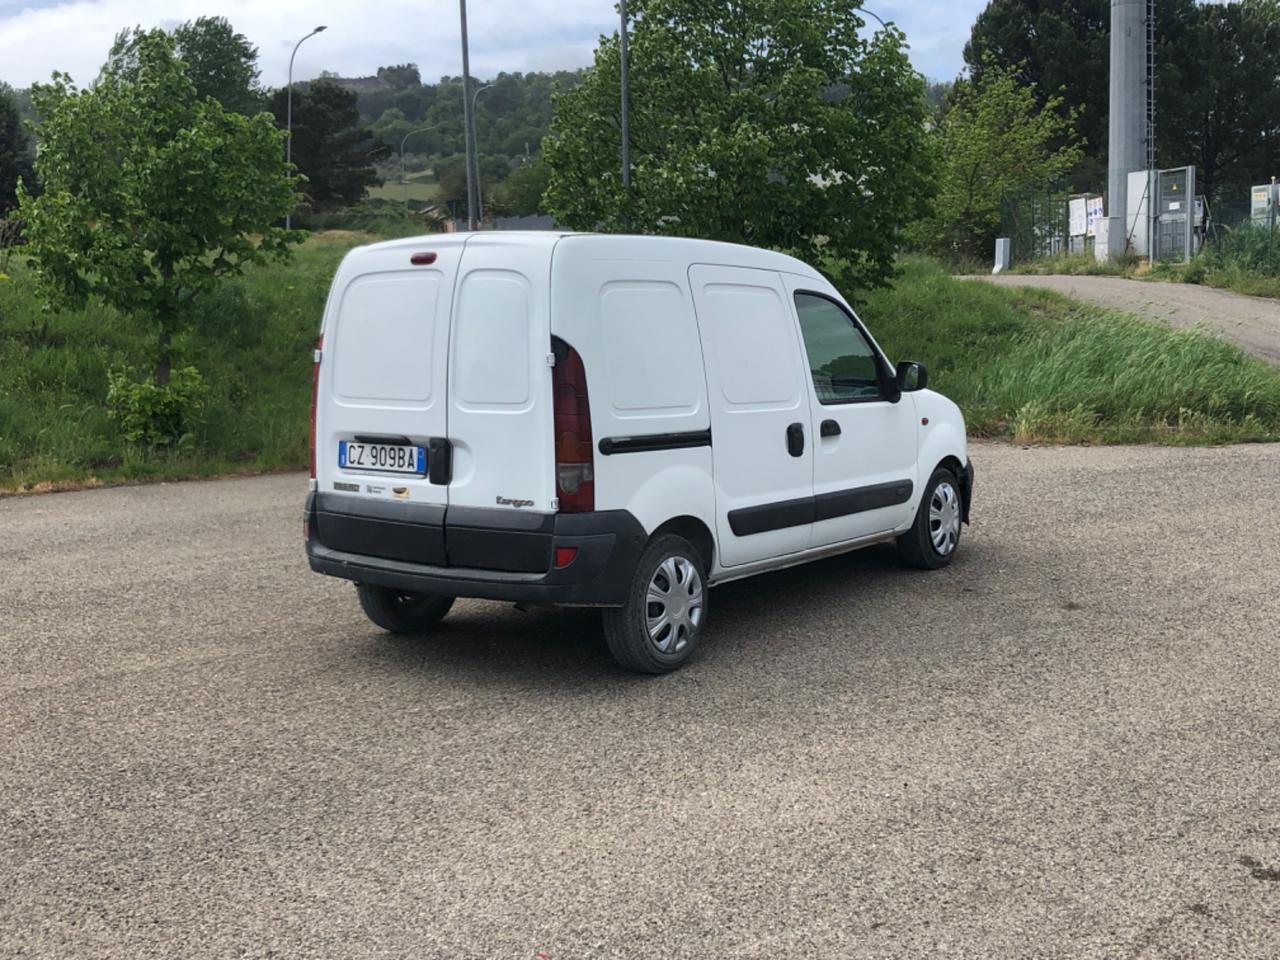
{"points": [[888, 382], [911, 376]]}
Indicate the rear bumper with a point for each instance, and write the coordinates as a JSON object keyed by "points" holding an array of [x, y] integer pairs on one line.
{"points": [[488, 554]]}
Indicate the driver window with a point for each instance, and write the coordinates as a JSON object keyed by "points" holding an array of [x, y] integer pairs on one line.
{"points": [[841, 359]]}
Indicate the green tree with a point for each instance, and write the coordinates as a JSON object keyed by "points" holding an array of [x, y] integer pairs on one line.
{"points": [[769, 122], [221, 63], [15, 152], [1061, 49], [1221, 111], [330, 149], [521, 193], [994, 138], [151, 194]]}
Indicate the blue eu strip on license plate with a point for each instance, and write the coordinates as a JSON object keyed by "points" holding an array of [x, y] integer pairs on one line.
{"points": [[342, 453]]}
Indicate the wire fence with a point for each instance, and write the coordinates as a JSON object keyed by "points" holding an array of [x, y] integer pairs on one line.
{"points": [[1036, 223]]}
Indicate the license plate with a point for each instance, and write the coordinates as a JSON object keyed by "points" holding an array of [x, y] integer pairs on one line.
{"points": [[382, 457]]}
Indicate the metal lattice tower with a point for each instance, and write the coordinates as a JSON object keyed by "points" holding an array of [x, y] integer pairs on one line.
{"points": [[1151, 84]]}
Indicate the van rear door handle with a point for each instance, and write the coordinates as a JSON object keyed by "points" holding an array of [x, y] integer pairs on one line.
{"points": [[829, 428], [439, 461], [795, 439]]}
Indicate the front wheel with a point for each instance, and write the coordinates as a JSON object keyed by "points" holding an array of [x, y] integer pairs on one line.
{"points": [[658, 628], [401, 611], [932, 541]]}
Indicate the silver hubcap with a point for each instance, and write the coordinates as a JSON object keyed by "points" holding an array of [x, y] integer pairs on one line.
{"points": [[944, 518], [674, 608]]}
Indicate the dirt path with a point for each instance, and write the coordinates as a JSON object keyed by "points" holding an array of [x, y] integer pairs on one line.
{"points": [[1252, 323]]}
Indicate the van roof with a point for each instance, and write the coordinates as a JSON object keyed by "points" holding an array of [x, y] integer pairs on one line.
{"points": [[612, 246]]}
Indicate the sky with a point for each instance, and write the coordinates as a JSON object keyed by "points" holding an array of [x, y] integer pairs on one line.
{"points": [[39, 36]]}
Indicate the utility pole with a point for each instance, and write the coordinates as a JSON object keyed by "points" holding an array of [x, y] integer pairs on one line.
{"points": [[468, 121], [626, 118]]}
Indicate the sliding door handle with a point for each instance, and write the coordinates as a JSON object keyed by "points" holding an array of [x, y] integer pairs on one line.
{"points": [[795, 439]]}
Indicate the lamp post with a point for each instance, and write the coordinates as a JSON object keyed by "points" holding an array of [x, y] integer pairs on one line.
{"points": [[468, 129], [476, 152], [876, 15], [626, 110], [288, 110], [403, 141]]}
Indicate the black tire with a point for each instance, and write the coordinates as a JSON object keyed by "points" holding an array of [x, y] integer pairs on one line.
{"points": [[627, 629], [916, 547], [400, 611]]}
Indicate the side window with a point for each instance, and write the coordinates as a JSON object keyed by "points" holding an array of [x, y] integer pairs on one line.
{"points": [[841, 359]]}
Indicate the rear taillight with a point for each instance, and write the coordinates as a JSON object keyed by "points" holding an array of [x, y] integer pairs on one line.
{"points": [[575, 473], [315, 389]]}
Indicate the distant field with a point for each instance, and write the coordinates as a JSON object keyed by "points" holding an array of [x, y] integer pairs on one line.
{"points": [[413, 190]]}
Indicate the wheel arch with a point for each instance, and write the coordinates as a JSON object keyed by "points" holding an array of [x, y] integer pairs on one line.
{"points": [[952, 463], [696, 532]]}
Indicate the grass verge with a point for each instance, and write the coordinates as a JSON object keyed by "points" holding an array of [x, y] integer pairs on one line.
{"points": [[1033, 366], [252, 343], [1022, 364]]}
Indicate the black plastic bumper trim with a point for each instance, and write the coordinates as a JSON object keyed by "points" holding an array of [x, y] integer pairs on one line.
{"points": [[966, 489], [827, 506], [841, 503], [412, 532], [609, 544], [655, 441]]}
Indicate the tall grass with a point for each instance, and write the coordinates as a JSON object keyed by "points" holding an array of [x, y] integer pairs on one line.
{"points": [[252, 341], [1032, 365], [1022, 364]]}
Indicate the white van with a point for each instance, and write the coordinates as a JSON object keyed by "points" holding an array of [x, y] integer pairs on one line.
{"points": [[609, 421]]}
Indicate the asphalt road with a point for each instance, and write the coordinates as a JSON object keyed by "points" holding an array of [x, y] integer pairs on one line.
{"points": [[1252, 323], [1065, 745]]}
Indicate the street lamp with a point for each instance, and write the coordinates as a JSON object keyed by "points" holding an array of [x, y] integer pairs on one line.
{"points": [[288, 110], [476, 153], [403, 141], [626, 110], [468, 130], [876, 15]]}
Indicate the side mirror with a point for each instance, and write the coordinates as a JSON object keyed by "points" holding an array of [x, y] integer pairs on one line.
{"points": [[889, 388], [912, 376]]}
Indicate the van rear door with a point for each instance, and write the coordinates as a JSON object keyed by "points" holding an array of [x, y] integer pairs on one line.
{"points": [[500, 412], [383, 408]]}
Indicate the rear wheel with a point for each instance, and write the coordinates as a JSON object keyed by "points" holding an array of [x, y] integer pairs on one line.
{"points": [[401, 611], [658, 628], [932, 541]]}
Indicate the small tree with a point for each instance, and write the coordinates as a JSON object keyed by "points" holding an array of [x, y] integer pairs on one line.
{"points": [[994, 138], [770, 122], [151, 195], [220, 63], [330, 148], [523, 189]]}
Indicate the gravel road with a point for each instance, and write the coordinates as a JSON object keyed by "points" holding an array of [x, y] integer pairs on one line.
{"points": [[1065, 745], [1252, 323]]}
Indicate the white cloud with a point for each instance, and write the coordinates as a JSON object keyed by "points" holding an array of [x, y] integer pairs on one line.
{"points": [[39, 36]]}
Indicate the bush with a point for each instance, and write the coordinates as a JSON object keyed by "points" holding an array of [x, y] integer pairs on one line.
{"points": [[157, 416]]}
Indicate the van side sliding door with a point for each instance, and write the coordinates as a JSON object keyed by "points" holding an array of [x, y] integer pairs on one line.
{"points": [[762, 441]]}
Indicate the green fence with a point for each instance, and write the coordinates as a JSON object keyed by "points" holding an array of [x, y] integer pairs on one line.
{"points": [[1036, 223]]}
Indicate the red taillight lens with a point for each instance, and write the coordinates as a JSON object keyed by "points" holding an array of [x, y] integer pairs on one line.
{"points": [[315, 388], [575, 465], [565, 556]]}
